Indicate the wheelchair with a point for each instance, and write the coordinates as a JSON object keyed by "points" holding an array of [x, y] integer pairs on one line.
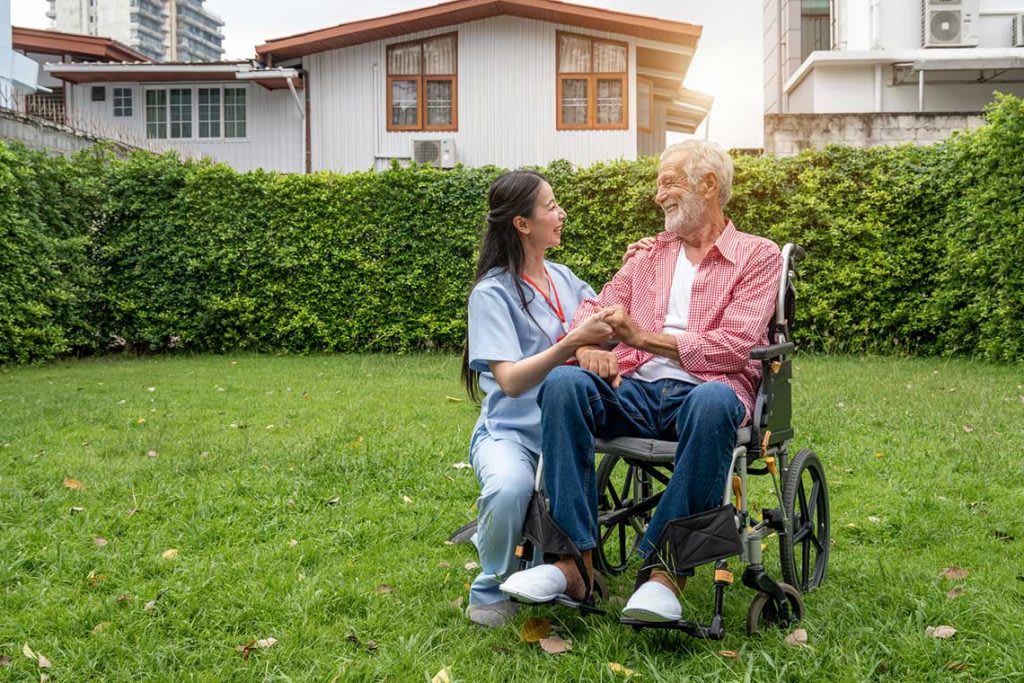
{"points": [[632, 475]]}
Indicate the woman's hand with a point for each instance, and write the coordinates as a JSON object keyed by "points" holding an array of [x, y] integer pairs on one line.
{"points": [[636, 247], [591, 332]]}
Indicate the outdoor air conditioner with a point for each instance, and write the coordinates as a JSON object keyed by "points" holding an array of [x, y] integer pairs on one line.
{"points": [[439, 153], [1018, 30], [949, 23]]}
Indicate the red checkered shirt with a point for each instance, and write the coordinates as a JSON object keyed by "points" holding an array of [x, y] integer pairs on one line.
{"points": [[731, 302]]}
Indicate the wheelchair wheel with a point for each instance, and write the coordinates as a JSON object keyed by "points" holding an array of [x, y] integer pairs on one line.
{"points": [[764, 610], [617, 490], [805, 545]]}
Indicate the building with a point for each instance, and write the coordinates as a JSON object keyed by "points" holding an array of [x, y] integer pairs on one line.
{"points": [[162, 30], [507, 82], [19, 75], [880, 72]]}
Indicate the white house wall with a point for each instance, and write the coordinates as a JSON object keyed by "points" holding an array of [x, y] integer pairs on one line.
{"points": [[275, 134], [506, 102]]}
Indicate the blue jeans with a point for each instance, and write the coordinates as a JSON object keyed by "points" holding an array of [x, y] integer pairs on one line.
{"points": [[577, 405], [505, 470]]}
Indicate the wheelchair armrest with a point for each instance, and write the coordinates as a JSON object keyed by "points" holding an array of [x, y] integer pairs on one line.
{"points": [[772, 351]]}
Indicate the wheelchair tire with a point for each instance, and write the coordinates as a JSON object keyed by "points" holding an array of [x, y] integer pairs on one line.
{"points": [[804, 548], [617, 540], [764, 610]]}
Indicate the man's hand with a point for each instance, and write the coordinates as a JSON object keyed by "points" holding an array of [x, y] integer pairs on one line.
{"points": [[626, 331], [602, 363]]}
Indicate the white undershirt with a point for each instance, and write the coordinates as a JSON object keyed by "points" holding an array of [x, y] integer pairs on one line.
{"points": [[676, 318]]}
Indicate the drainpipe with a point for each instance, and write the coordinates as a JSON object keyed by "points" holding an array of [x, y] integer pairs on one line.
{"points": [[920, 91], [376, 114], [302, 118], [878, 88]]}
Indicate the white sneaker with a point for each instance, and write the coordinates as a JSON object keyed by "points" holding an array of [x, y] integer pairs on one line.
{"points": [[653, 602], [535, 585]]}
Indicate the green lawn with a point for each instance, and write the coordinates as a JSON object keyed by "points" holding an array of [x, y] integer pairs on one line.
{"points": [[308, 499]]}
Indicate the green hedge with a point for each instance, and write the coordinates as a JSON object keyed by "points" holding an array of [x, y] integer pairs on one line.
{"points": [[911, 249]]}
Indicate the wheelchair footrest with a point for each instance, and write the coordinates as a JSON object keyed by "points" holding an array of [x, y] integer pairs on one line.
{"points": [[690, 628], [565, 601]]}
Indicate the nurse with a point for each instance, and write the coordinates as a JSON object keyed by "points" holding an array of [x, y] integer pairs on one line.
{"points": [[519, 312]]}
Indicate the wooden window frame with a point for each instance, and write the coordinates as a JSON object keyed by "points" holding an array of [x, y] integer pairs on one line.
{"points": [[650, 105], [592, 77], [421, 87]]}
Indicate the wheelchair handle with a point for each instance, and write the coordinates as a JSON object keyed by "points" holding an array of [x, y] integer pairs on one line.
{"points": [[791, 254]]}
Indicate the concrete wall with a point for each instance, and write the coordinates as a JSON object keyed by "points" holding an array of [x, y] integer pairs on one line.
{"points": [[47, 136], [788, 134]]}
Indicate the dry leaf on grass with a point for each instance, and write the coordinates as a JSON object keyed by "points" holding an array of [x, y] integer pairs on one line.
{"points": [[444, 565], [95, 579], [124, 597], [101, 627], [968, 428], [534, 629], [383, 589], [954, 573], [334, 501], [457, 602], [797, 638], [954, 593], [619, 669], [555, 646], [169, 554], [461, 465], [72, 484], [261, 644], [1002, 536], [453, 399], [943, 632], [956, 666], [5, 660], [151, 453], [100, 541], [406, 499], [371, 645], [75, 509], [729, 654], [442, 676], [471, 566], [132, 511]]}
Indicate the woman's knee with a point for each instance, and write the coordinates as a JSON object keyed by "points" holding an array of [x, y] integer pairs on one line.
{"points": [[508, 493]]}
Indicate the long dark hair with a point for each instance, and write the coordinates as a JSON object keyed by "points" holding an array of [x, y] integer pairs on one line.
{"points": [[512, 194]]}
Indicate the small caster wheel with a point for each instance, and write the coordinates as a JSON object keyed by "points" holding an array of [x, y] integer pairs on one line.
{"points": [[764, 610]]}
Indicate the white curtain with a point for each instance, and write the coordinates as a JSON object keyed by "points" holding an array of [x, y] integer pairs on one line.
{"points": [[573, 54], [439, 56]]}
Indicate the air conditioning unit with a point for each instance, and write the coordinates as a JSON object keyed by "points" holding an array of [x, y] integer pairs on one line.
{"points": [[438, 153], [1018, 30], [949, 23]]}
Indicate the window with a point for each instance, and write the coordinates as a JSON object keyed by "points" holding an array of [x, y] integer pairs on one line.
{"points": [[98, 93], [122, 102], [644, 105], [156, 114], [591, 83], [815, 26], [209, 112], [423, 85], [220, 113], [234, 112]]}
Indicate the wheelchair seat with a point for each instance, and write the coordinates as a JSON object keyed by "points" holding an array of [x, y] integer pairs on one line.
{"points": [[652, 450]]}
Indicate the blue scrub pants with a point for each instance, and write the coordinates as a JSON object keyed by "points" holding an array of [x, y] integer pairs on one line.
{"points": [[505, 470]]}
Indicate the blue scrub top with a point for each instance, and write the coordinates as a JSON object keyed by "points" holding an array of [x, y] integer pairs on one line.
{"points": [[500, 330]]}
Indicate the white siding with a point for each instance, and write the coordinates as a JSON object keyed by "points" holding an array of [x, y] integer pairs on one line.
{"points": [[506, 94], [275, 134]]}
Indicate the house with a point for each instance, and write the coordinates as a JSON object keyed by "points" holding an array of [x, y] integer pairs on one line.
{"points": [[504, 82], [879, 72]]}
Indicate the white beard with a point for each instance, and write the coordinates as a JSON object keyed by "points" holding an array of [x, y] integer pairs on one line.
{"points": [[691, 215]]}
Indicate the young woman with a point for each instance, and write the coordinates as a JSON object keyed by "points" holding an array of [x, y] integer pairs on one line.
{"points": [[519, 314]]}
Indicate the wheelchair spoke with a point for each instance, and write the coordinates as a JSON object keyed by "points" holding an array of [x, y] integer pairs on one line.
{"points": [[805, 564], [799, 534], [815, 493]]}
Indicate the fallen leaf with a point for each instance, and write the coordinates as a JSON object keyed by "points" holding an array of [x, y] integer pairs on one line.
{"points": [[797, 638], [461, 465], [968, 428], [444, 565], [954, 593], [132, 511], [879, 455], [124, 597], [406, 499], [619, 669], [956, 666], [100, 541], [75, 509], [457, 602], [151, 454], [27, 651], [5, 660], [442, 676], [72, 484], [954, 573], [883, 667], [371, 645], [95, 579], [471, 566], [150, 605], [293, 543], [169, 554], [453, 399], [729, 654], [44, 678], [334, 501], [555, 646], [874, 520], [204, 454], [534, 629], [43, 662], [101, 627], [290, 503], [140, 421], [1002, 536], [942, 632], [151, 389], [383, 589], [264, 643]]}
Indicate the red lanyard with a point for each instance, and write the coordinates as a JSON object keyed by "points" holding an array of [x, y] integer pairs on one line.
{"points": [[557, 305]]}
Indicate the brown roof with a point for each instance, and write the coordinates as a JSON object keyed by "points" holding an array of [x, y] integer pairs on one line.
{"points": [[461, 11], [77, 45]]}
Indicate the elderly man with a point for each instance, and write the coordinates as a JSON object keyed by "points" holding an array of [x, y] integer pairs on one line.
{"points": [[686, 313]]}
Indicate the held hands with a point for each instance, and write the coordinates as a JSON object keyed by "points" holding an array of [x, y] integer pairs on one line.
{"points": [[592, 331], [635, 248], [626, 330]]}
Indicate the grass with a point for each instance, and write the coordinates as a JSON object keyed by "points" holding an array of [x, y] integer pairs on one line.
{"points": [[309, 498]]}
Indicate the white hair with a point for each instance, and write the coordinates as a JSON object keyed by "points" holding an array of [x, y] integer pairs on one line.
{"points": [[705, 157]]}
